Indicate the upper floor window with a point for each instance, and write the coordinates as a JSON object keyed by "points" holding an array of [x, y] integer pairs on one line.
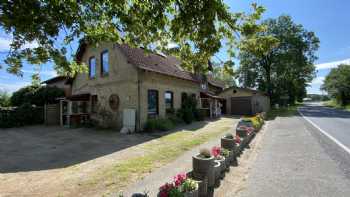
{"points": [[104, 63], [169, 101], [92, 67]]}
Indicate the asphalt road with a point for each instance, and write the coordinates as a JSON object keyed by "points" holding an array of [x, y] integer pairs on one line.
{"points": [[297, 159], [333, 123]]}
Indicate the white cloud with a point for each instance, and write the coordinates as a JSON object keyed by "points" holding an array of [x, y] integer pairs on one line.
{"points": [[13, 86], [5, 44], [317, 81], [332, 64]]}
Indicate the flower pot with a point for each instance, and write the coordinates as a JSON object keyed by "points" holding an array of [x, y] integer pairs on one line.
{"points": [[202, 184], [222, 166], [191, 193], [217, 171], [228, 143], [203, 168]]}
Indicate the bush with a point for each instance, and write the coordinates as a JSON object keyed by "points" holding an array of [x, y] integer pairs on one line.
{"points": [[36, 95], [21, 116], [159, 125], [188, 110]]}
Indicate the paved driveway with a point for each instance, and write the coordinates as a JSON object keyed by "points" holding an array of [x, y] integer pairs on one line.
{"points": [[42, 148]]}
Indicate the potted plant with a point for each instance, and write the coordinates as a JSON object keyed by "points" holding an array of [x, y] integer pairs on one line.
{"points": [[203, 166], [228, 157], [169, 190], [189, 188], [216, 152], [217, 172], [228, 142], [238, 142]]}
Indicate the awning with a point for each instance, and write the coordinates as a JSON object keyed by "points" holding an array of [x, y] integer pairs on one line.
{"points": [[79, 97], [208, 95]]}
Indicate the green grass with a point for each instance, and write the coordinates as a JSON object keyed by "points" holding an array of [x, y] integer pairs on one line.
{"points": [[333, 103], [157, 153], [283, 112]]}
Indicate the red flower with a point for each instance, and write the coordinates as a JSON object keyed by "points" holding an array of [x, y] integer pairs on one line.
{"points": [[165, 189], [238, 139], [250, 130], [179, 179], [215, 151]]}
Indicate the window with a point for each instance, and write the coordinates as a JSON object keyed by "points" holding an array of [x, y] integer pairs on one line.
{"points": [[183, 97], [104, 63], [169, 101], [152, 102], [83, 107], [92, 67], [94, 103]]}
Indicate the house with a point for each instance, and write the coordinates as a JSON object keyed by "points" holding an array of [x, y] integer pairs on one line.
{"points": [[61, 82], [125, 86], [244, 101]]}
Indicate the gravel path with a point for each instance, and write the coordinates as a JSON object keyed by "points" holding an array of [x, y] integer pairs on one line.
{"points": [[293, 161]]}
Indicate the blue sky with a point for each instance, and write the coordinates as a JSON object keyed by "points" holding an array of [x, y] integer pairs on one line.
{"points": [[329, 19]]}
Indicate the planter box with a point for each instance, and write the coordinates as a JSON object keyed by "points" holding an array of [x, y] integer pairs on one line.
{"points": [[202, 184], [228, 143], [222, 166], [217, 171], [191, 194], [204, 167]]}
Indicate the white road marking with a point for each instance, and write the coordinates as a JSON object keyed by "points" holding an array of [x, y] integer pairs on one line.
{"points": [[325, 133]]}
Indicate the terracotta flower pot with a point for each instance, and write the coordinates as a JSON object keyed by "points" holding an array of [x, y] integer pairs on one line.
{"points": [[191, 193], [203, 167]]}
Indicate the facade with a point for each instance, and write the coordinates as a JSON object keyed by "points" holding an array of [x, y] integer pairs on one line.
{"points": [[125, 83], [60, 82], [244, 101]]}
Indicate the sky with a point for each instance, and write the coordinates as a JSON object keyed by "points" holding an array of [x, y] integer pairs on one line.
{"points": [[329, 19]]}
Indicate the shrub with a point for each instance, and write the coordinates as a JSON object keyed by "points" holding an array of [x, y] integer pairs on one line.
{"points": [[205, 153], [189, 185], [26, 114], [159, 125], [224, 152]]}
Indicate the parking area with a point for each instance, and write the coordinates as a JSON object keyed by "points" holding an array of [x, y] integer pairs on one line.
{"points": [[42, 148]]}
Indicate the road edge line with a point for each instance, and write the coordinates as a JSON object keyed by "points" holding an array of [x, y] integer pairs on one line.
{"points": [[325, 133]]}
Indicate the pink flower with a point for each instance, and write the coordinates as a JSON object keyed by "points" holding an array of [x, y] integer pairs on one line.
{"points": [[179, 179], [238, 139], [165, 189], [215, 151]]}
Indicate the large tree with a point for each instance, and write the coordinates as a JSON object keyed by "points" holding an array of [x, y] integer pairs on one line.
{"points": [[279, 59], [198, 28], [337, 84]]}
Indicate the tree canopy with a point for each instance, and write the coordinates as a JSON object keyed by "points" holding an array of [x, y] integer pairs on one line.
{"points": [[337, 84], [198, 28], [279, 59], [36, 95]]}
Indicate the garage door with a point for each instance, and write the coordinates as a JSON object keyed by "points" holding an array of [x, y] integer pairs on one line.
{"points": [[241, 105]]}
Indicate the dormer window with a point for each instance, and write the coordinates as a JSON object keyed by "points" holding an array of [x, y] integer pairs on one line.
{"points": [[104, 63]]}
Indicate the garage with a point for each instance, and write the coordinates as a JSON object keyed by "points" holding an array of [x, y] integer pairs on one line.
{"points": [[241, 105], [245, 101]]}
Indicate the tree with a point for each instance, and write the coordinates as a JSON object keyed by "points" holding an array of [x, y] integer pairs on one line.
{"points": [[198, 28], [337, 84], [4, 99], [224, 73], [279, 59], [36, 95]]}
